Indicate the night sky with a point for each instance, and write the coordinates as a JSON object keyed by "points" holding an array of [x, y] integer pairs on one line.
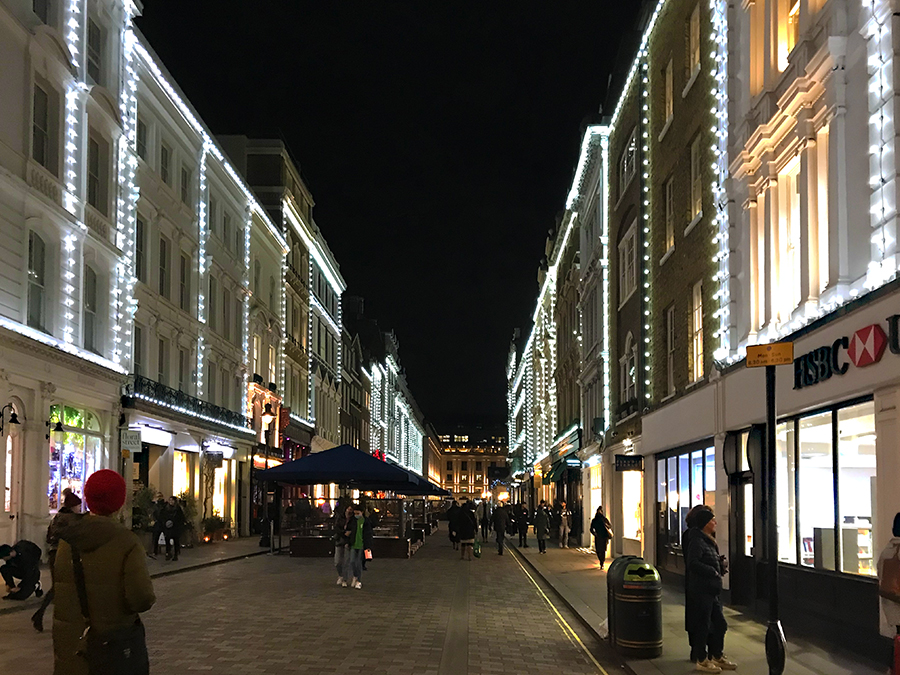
{"points": [[438, 139]]}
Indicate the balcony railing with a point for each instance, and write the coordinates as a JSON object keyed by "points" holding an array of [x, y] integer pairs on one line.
{"points": [[160, 394]]}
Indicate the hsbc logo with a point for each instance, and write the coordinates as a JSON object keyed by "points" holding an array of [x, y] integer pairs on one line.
{"points": [[867, 346], [864, 348]]}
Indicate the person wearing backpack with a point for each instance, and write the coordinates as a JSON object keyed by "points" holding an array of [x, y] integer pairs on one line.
{"points": [[889, 579]]}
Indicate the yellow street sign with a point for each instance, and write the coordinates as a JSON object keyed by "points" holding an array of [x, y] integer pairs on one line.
{"points": [[775, 354]]}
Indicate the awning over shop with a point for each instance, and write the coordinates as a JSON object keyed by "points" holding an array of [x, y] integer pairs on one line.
{"points": [[556, 472]]}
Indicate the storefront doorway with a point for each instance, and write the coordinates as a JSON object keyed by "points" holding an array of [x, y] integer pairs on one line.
{"points": [[75, 454]]}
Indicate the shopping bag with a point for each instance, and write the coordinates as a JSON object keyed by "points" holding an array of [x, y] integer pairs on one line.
{"points": [[476, 549], [161, 540], [368, 554]]}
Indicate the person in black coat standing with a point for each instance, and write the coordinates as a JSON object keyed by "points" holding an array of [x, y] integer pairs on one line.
{"points": [[173, 524], [467, 526], [522, 524], [703, 609], [453, 524], [501, 522]]}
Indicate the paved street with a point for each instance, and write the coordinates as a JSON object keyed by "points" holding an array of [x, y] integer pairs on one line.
{"points": [[433, 614]]}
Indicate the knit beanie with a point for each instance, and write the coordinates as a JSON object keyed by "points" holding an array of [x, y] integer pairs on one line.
{"points": [[104, 492], [702, 518]]}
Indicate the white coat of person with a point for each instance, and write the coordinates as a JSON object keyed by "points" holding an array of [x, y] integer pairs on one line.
{"points": [[889, 583]]}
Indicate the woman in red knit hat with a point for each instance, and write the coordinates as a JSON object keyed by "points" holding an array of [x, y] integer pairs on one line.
{"points": [[115, 577]]}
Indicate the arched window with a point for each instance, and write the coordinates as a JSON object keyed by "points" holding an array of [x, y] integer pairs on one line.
{"points": [[91, 342], [36, 289]]}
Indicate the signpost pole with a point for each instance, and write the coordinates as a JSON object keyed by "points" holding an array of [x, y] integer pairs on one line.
{"points": [[775, 643]]}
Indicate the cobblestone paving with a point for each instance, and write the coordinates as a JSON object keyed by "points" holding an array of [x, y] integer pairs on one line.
{"points": [[430, 615]]}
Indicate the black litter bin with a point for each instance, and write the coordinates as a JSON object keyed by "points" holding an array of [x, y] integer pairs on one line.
{"points": [[634, 608]]}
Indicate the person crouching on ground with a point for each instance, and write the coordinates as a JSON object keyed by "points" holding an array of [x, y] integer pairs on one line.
{"points": [[342, 521], [359, 534], [116, 581], [467, 526], [22, 561], [70, 510], [703, 609]]}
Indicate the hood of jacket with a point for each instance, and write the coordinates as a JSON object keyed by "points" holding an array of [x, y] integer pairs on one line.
{"points": [[90, 532]]}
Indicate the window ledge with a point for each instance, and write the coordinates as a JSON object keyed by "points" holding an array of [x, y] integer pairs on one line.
{"points": [[667, 255], [665, 129], [690, 83], [668, 398], [695, 383], [627, 297], [691, 225]]}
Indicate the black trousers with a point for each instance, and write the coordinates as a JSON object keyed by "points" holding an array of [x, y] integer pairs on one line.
{"points": [[542, 545], [485, 528], [600, 545], [706, 627], [523, 538], [158, 530], [170, 538], [500, 537], [29, 577]]}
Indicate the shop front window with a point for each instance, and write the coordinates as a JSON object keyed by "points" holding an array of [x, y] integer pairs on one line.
{"points": [[78, 454], [786, 495], [219, 493], [181, 477], [7, 491], [856, 481], [632, 505], [816, 504], [748, 519]]}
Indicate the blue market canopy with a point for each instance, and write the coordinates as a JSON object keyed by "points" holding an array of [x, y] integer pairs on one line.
{"points": [[348, 466]]}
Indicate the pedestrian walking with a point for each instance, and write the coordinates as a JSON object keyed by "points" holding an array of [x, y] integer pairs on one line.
{"points": [[71, 509], [21, 561], [173, 524], [565, 525], [485, 519], [359, 535], [542, 526], [100, 573], [479, 515], [453, 523], [501, 521], [889, 580], [703, 609], [341, 542], [602, 531], [467, 527], [522, 525]]}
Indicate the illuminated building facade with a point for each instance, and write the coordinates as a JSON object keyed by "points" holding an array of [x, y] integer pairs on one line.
{"points": [[468, 455]]}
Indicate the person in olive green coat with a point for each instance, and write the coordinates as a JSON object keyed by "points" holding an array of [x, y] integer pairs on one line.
{"points": [[117, 582]]}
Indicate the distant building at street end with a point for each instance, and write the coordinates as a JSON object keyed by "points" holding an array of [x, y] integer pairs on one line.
{"points": [[474, 461]]}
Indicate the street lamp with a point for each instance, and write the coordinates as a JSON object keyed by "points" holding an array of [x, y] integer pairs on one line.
{"points": [[13, 418], [58, 432], [267, 416]]}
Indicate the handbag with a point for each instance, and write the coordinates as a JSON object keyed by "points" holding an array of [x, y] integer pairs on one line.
{"points": [[476, 549], [368, 554], [118, 652]]}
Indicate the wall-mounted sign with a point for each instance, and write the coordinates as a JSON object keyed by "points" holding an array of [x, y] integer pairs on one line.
{"points": [[129, 441], [864, 348], [629, 462], [774, 354]]}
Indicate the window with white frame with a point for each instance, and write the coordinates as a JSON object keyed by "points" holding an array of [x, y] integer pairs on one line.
{"points": [[272, 293], [211, 381], [694, 41], [224, 400], [186, 175], [37, 261], [165, 249], [98, 154], [140, 254], [670, 350], [257, 271], [696, 331], [227, 235], [165, 163], [89, 307], [226, 314], [137, 347], [43, 128], [212, 302], [238, 321], [162, 361], [669, 191], [628, 162], [628, 371], [94, 52], [141, 139], [255, 363], [183, 370], [184, 285], [669, 100], [628, 264], [272, 364], [696, 180]]}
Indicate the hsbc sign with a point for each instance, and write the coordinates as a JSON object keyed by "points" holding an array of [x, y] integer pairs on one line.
{"points": [[864, 348]]}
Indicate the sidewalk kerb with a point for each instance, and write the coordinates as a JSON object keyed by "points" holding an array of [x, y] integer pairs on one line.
{"points": [[583, 621]]}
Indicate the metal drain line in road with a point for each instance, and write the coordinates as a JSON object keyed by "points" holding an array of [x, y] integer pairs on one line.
{"points": [[560, 619]]}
